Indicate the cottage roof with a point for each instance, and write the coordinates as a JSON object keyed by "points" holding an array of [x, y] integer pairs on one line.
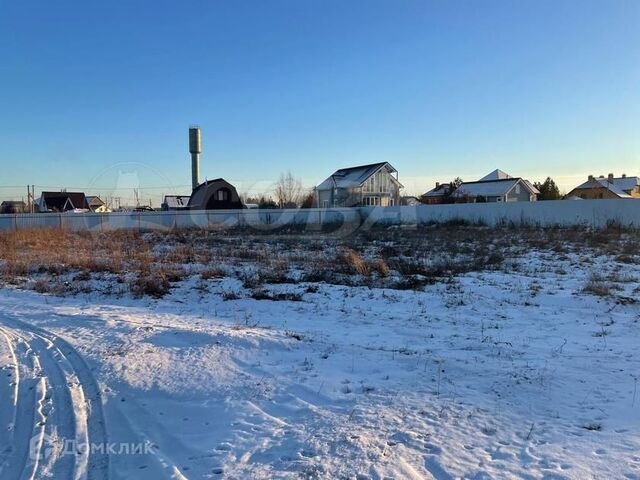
{"points": [[94, 201], [604, 183], [626, 183], [497, 174], [492, 188], [439, 191], [354, 176], [176, 201], [65, 200]]}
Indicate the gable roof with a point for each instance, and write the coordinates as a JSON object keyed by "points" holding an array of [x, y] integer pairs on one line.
{"points": [[176, 201], [603, 183], [63, 201], [492, 188], [626, 183], [439, 191], [94, 201], [497, 174], [531, 187], [354, 176]]}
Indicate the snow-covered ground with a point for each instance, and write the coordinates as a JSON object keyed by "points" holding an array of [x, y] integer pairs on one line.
{"points": [[510, 373]]}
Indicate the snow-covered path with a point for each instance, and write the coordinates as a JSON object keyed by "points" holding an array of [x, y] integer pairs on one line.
{"points": [[492, 376], [51, 394]]}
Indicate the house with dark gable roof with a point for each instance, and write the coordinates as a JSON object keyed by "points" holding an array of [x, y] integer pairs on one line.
{"points": [[438, 195], [63, 202], [13, 207], [375, 184]]}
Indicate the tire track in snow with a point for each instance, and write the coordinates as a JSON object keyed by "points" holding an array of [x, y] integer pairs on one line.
{"points": [[26, 410], [58, 394], [9, 380]]}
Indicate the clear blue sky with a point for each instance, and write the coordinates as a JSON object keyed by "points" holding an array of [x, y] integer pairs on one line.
{"points": [[100, 94]]}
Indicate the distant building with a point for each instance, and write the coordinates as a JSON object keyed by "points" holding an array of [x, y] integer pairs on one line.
{"points": [[497, 186], [97, 205], [215, 195], [439, 194], [13, 206], [63, 202], [410, 201], [175, 202], [610, 187], [375, 184]]}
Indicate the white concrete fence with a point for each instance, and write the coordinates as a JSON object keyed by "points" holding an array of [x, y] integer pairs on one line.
{"points": [[586, 213]]}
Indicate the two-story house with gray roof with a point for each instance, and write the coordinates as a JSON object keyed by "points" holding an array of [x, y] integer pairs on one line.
{"points": [[375, 184]]}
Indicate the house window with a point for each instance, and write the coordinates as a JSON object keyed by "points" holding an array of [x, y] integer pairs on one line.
{"points": [[517, 189], [222, 195], [325, 204]]}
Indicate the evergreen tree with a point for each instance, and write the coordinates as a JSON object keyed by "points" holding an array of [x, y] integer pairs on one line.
{"points": [[548, 190]]}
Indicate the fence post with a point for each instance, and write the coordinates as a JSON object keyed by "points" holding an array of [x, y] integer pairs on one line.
{"points": [[15, 222]]}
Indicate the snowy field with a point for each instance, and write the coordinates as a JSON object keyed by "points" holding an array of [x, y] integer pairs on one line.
{"points": [[365, 359]]}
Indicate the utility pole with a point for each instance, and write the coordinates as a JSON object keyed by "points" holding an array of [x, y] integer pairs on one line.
{"points": [[31, 193]]}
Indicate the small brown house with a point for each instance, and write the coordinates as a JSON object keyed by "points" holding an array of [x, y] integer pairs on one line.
{"points": [[13, 207], [438, 195], [607, 188]]}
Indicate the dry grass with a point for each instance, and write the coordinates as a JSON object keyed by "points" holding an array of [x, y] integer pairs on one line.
{"points": [[58, 251], [353, 262], [148, 263]]}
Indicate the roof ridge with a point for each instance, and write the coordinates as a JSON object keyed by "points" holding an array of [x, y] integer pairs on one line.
{"points": [[495, 180]]}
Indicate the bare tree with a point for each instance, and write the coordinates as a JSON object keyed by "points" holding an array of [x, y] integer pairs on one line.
{"points": [[288, 191], [308, 199]]}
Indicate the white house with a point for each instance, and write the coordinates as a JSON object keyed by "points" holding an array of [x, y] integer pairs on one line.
{"points": [[497, 186], [375, 184]]}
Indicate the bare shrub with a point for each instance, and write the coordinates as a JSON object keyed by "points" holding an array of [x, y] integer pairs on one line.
{"points": [[156, 286], [599, 286], [230, 295], [210, 273], [353, 262], [262, 294], [379, 266], [627, 258]]}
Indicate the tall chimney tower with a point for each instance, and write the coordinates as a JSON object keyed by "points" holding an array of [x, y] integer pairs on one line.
{"points": [[195, 147]]}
